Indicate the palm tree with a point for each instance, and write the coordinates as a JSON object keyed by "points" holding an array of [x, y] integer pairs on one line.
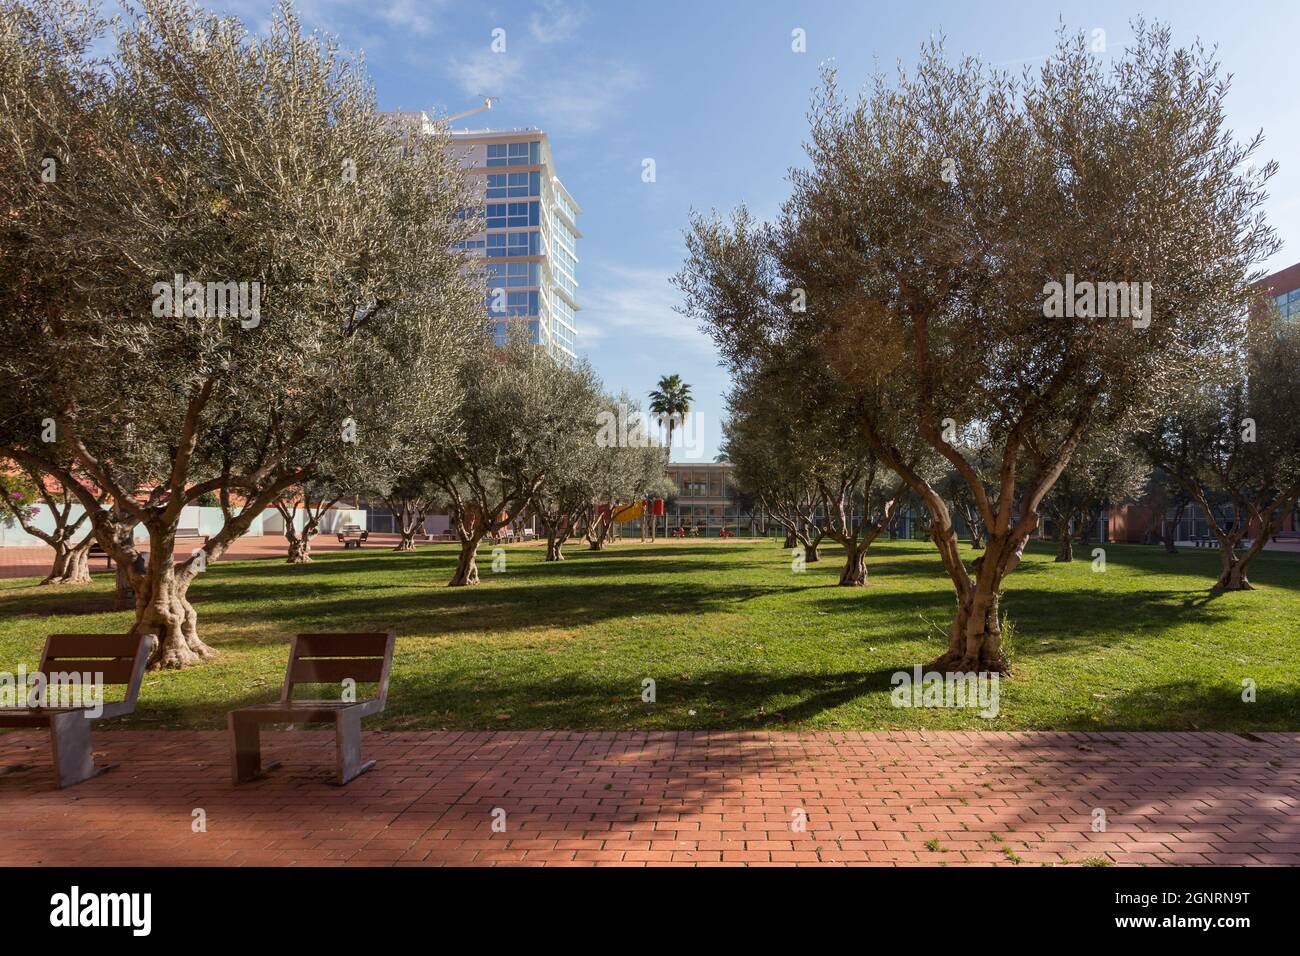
{"points": [[671, 401]]}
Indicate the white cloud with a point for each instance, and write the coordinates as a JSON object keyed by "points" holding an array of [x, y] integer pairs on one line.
{"points": [[353, 22], [580, 103], [555, 22], [618, 300], [409, 15], [485, 73]]}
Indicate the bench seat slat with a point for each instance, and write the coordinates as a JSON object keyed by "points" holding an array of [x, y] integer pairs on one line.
{"points": [[92, 645], [115, 670], [342, 645], [333, 670]]}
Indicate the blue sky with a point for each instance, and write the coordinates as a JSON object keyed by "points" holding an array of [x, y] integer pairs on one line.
{"points": [[712, 91]]}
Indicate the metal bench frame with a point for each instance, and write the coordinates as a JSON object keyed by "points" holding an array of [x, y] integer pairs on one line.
{"points": [[317, 659], [121, 659]]}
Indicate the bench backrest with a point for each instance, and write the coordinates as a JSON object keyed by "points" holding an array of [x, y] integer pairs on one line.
{"points": [[119, 658], [366, 658]]}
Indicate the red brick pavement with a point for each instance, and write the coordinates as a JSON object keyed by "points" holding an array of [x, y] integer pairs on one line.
{"points": [[634, 799]]}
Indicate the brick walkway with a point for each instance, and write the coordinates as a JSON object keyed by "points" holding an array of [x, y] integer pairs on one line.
{"points": [[681, 798]]}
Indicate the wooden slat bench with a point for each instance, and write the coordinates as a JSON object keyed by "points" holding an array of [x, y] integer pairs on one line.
{"points": [[318, 659], [120, 659]]}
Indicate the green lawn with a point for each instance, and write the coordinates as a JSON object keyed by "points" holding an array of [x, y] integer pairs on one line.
{"points": [[732, 638]]}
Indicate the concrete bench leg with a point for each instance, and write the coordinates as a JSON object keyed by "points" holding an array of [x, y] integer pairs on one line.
{"points": [[74, 759], [246, 750], [347, 741]]}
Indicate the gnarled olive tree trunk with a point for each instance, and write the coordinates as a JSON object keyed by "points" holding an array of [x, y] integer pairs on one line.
{"points": [[408, 514], [975, 635], [1234, 565], [1168, 532], [854, 574], [558, 528], [598, 532], [162, 605], [300, 544], [1064, 543], [299, 551], [812, 548], [466, 563], [71, 562]]}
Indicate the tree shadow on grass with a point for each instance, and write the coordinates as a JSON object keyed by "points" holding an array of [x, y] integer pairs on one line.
{"points": [[1275, 568], [1186, 705], [1076, 618], [418, 699], [729, 699], [439, 609]]}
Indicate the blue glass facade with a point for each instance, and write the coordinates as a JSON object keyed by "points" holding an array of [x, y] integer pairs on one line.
{"points": [[528, 239]]}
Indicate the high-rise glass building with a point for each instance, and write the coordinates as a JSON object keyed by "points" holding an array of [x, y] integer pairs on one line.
{"points": [[530, 232]]}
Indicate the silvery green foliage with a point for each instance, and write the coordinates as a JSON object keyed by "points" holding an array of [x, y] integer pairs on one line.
{"points": [[221, 161], [523, 417], [626, 471], [793, 436], [1233, 444], [929, 288], [1107, 469]]}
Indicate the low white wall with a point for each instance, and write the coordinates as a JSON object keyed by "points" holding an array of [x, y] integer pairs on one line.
{"points": [[330, 522], [207, 520]]}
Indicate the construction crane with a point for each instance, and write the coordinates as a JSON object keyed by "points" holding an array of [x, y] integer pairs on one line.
{"points": [[485, 105]]}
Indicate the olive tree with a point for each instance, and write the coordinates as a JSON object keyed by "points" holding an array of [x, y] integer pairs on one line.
{"points": [[24, 493], [628, 465], [523, 415], [934, 235], [1162, 495], [225, 275], [794, 438], [1239, 440], [769, 464], [1106, 469], [614, 461], [312, 499]]}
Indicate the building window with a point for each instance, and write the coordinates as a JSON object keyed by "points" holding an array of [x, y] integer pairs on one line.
{"points": [[511, 274], [1288, 305], [513, 185], [522, 244]]}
